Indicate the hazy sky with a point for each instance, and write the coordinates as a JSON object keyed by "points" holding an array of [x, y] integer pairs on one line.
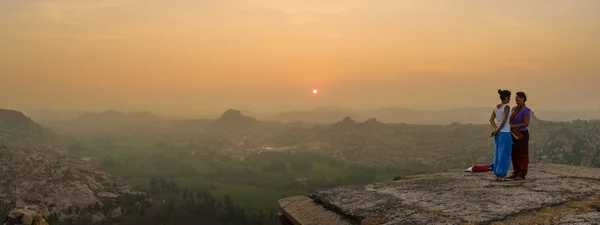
{"points": [[270, 54]]}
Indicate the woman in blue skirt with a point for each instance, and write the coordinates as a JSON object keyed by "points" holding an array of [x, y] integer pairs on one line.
{"points": [[502, 137]]}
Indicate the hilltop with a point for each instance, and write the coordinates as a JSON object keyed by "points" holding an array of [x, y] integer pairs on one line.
{"points": [[552, 194]]}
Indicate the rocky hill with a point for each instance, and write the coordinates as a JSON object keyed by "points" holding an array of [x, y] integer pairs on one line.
{"points": [[573, 143], [38, 178], [234, 122], [62, 189], [552, 194]]}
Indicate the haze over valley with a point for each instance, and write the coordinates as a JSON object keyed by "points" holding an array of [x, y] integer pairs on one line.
{"points": [[136, 112]]}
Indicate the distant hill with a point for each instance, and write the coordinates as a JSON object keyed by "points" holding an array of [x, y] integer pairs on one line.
{"points": [[474, 115], [53, 117], [373, 142], [314, 116], [405, 115], [233, 121], [16, 129]]}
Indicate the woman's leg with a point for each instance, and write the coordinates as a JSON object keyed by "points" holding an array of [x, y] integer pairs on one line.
{"points": [[503, 154], [496, 154], [515, 161], [524, 154]]}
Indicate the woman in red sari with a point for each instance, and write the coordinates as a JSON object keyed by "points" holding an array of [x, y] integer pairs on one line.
{"points": [[519, 121]]}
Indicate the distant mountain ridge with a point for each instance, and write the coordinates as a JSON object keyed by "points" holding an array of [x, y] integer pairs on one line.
{"points": [[117, 116], [475, 115], [322, 115]]}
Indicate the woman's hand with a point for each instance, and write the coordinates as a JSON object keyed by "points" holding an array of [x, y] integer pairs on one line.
{"points": [[494, 133]]}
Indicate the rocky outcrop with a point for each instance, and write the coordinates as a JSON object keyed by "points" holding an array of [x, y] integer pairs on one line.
{"points": [[573, 143], [569, 194], [24, 216], [62, 188]]}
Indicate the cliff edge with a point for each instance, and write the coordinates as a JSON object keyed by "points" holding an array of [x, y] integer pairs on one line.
{"points": [[552, 194]]}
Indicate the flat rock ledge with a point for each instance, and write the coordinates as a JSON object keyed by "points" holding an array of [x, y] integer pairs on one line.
{"points": [[551, 194]]}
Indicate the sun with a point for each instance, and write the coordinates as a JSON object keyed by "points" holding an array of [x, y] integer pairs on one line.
{"points": [[315, 91]]}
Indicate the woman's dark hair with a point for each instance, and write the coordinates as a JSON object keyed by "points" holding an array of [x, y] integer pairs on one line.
{"points": [[522, 95], [503, 94]]}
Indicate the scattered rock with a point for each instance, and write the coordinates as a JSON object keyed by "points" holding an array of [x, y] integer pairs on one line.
{"points": [[115, 213], [107, 195], [57, 176]]}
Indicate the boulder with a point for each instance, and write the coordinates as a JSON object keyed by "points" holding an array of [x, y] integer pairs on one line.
{"points": [[57, 176], [35, 198], [107, 195], [115, 213], [25, 217]]}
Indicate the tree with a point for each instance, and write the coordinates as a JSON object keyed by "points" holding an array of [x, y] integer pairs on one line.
{"points": [[228, 202], [108, 162], [154, 188], [185, 193]]}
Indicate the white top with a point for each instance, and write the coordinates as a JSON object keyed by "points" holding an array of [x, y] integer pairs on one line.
{"points": [[500, 116]]}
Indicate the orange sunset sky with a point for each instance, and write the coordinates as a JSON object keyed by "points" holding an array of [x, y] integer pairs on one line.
{"points": [[265, 55]]}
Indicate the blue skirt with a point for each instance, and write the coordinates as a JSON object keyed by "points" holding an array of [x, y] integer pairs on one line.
{"points": [[503, 141]]}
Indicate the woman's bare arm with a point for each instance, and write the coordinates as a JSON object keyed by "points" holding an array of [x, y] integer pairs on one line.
{"points": [[492, 118]]}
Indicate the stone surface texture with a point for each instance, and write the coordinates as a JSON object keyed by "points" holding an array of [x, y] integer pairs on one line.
{"points": [[453, 197]]}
